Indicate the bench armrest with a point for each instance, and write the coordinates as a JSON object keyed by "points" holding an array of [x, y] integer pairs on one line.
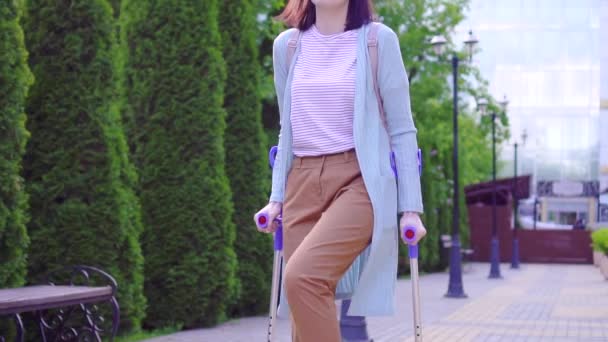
{"points": [[80, 275]]}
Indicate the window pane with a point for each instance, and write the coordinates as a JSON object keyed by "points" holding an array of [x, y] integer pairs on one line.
{"points": [[579, 46], [550, 12], [577, 13]]}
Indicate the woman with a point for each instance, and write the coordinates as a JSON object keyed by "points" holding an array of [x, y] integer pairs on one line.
{"points": [[341, 199]]}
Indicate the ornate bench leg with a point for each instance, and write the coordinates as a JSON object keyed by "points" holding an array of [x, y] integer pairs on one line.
{"points": [[92, 317], [94, 326], [19, 324], [41, 325], [115, 318]]}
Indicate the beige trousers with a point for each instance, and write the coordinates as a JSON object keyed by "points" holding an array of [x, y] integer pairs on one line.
{"points": [[328, 222]]}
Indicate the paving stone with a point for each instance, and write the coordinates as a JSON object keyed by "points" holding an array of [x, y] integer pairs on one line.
{"points": [[537, 303]]}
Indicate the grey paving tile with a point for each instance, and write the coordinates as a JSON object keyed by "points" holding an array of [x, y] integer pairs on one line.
{"points": [[530, 304]]}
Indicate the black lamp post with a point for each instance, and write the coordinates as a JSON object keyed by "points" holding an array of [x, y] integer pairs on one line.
{"points": [[455, 288], [515, 247], [535, 210], [495, 250]]}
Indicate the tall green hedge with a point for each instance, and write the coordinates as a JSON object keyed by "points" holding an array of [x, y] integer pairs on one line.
{"points": [[83, 208], [246, 157], [175, 90], [116, 7], [15, 80]]}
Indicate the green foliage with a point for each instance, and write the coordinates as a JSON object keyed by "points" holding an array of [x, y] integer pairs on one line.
{"points": [[15, 80], [416, 22], [268, 30], [174, 87], [83, 208], [246, 160], [116, 7], [600, 240]]}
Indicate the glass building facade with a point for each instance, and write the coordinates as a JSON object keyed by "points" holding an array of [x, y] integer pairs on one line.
{"points": [[545, 56]]}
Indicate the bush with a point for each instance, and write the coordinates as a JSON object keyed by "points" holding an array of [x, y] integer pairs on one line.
{"points": [[175, 78], [599, 239], [83, 208], [15, 80], [246, 156]]}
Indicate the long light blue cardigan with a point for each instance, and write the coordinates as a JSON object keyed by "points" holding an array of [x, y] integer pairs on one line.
{"points": [[370, 282]]}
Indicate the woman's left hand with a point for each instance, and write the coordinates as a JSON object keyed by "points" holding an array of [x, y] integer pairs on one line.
{"points": [[412, 219]]}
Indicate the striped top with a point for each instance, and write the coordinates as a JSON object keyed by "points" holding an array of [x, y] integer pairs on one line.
{"points": [[323, 93]]}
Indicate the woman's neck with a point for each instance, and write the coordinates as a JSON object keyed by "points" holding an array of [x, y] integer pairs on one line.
{"points": [[331, 20]]}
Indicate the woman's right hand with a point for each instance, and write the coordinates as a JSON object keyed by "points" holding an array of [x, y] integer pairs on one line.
{"points": [[273, 209]]}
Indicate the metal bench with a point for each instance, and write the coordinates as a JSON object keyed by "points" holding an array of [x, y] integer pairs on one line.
{"points": [[65, 312]]}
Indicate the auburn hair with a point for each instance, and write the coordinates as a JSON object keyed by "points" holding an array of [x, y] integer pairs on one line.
{"points": [[302, 14]]}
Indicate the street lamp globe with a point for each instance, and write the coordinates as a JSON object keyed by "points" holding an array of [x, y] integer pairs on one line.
{"points": [[470, 43], [482, 105], [504, 103], [439, 43]]}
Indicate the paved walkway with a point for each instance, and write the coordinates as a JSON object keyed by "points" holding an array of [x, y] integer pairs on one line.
{"points": [[536, 303]]}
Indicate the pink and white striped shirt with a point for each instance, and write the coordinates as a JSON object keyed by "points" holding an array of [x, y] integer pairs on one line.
{"points": [[323, 93]]}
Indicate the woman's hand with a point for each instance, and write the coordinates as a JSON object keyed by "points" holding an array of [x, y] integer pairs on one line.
{"points": [[273, 209], [412, 219]]}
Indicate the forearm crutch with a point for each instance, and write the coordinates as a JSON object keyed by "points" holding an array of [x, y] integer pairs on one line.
{"points": [[262, 221], [409, 235]]}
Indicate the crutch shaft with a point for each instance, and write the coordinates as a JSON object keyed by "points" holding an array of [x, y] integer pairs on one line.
{"points": [[274, 299], [409, 234], [416, 299]]}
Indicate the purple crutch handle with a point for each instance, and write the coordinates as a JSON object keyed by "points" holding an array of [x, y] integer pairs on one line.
{"points": [[278, 238], [409, 235], [278, 234], [394, 163], [262, 221], [420, 161], [272, 155]]}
